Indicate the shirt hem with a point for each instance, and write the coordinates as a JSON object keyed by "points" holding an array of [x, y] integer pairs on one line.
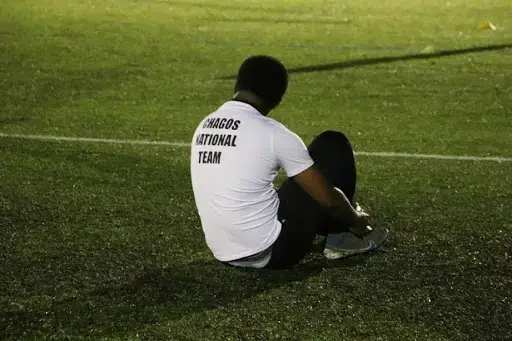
{"points": [[252, 252]]}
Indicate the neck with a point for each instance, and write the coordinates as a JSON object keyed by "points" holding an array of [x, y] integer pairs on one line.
{"points": [[251, 99]]}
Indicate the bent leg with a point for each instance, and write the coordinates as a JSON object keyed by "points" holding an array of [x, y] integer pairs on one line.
{"points": [[333, 156], [303, 217]]}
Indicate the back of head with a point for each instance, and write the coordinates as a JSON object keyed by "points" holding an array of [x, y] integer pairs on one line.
{"points": [[264, 76]]}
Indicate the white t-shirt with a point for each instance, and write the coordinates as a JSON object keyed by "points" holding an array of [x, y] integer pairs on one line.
{"points": [[236, 154]]}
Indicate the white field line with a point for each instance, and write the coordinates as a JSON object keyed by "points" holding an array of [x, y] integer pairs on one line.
{"points": [[94, 140], [185, 144]]}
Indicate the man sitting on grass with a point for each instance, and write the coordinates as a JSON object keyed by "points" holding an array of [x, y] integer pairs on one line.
{"points": [[237, 152]]}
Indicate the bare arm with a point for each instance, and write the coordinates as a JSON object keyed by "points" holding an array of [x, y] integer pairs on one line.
{"points": [[333, 199], [293, 156]]}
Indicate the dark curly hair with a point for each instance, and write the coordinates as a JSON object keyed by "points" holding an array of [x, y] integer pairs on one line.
{"points": [[265, 76]]}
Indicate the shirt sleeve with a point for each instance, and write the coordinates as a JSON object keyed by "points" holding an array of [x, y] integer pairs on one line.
{"points": [[290, 151]]}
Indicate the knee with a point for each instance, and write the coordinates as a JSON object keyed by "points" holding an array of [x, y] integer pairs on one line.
{"points": [[333, 138]]}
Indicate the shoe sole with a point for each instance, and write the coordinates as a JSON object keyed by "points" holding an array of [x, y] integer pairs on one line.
{"points": [[337, 254]]}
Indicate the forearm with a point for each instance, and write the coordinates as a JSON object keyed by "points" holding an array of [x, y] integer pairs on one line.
{"points": [[328, 196], [340, 207]]}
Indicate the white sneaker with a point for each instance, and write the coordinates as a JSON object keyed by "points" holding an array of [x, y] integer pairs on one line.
{"points": [[378, 236], [347, 244]]}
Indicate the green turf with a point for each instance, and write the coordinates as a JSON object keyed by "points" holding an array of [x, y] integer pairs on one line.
{"points": [[102, 242]]}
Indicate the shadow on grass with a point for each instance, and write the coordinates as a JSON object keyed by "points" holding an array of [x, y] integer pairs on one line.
{"points": [[157, 295], [283, 21], [154, 296], [223, 7], [382, 60]]}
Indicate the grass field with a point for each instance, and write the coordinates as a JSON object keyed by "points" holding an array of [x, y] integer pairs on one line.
{"points": [[101, 241]]}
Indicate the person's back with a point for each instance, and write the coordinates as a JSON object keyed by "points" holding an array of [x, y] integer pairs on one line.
{"points": [[233, 165]]}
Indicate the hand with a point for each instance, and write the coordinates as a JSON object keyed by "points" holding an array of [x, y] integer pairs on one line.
{"points": [[361, 224]]}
